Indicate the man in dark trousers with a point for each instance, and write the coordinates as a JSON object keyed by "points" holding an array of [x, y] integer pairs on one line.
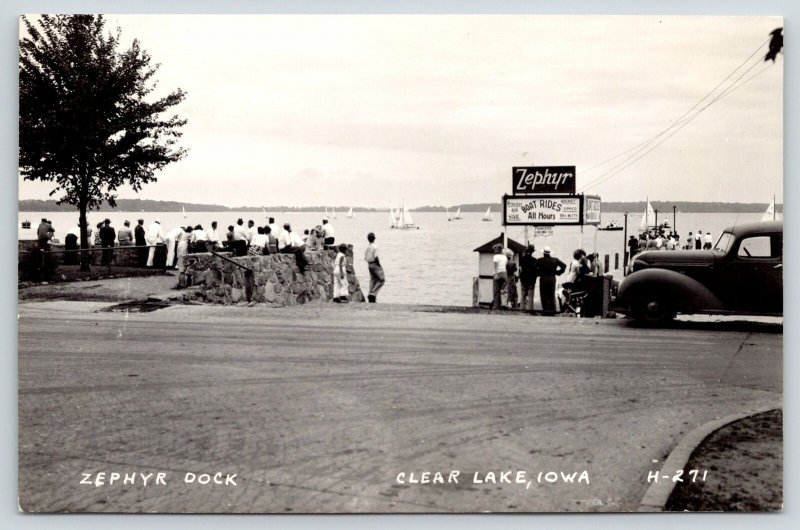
{"points": [[376, 276], [549, 267], [633, 247], [44, 233], [527, 277], [107, 237], [138, 234]]}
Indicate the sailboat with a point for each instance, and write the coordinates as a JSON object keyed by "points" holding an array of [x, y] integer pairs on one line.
{"points": [[333, 213], [457, 216], [350, 214], [488, 215], [770, 214], [392, 218], [648, 216], [184, 212], [446, 211], [264, 212], [404, 220]]}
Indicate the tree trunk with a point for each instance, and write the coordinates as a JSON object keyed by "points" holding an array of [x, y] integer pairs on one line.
{"points": [[84, 237]]}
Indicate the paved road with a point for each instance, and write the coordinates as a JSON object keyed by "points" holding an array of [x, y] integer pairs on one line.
{"points": [[319, 408]]}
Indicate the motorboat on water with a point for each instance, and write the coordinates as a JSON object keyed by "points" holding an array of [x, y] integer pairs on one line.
{"points": [[612, 226]]}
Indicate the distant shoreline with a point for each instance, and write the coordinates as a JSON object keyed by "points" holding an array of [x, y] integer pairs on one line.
{"points": [[139, 205]]}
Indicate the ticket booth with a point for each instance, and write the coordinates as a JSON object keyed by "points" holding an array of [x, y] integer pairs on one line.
{"points": [[482, 284]]}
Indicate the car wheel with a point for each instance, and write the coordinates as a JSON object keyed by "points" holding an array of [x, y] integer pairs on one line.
{"points": [[653, 308]]}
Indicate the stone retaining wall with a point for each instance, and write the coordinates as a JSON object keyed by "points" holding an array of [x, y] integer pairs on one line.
{"points": [[274, 279]]}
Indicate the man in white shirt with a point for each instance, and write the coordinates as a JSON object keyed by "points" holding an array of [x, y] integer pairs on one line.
{"points": [[708, 242], [376, 276], [274, 229], [252, 231], [155, 235], [213, 236], [240, 235], [199, 239], [328, 233], [500, 278], [171, 240], [289, 243], [284, 238]]}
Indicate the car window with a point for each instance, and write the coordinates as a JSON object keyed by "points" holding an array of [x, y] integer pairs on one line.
{"points": [[755, 247], [724, 242]]}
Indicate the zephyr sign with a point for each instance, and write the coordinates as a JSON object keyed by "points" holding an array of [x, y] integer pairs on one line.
{"points": [[543, 179]]}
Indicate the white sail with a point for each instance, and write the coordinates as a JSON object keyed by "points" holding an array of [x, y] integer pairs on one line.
{"points": [[769, 215], [333, 213], [447, 212], [407, 220], [488, 215], [648, 217], [458, 213], [350, 214], [184, 212], [392, 218]]}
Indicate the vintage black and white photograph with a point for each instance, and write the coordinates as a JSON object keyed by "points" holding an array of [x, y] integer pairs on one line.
{"points": [[318, 263]]}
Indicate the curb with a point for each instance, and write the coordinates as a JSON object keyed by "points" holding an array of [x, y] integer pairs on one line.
{"points": [[657, 495]]}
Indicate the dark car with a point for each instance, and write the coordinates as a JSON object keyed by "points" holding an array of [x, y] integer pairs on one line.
{"points": [[741, 274]]}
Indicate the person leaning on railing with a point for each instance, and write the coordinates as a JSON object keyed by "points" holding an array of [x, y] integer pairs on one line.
{"points": [[125, 236]]}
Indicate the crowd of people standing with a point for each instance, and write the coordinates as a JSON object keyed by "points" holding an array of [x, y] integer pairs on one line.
{"points": [[660, 239], [240, 239], [544, 269]]}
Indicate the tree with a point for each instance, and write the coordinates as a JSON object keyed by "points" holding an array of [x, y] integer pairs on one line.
{"points": [[84, 122]]}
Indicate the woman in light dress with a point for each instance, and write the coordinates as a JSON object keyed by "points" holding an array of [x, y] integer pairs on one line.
{"points": [[341, 289]]}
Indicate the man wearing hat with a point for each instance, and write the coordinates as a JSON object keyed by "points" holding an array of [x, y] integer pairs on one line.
{"points": [[548, 268], [155, 235], [328, 233], [107, 237], [139, 237]]}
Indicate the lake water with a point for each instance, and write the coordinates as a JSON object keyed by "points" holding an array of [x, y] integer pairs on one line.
{"points": [[432, 265]]}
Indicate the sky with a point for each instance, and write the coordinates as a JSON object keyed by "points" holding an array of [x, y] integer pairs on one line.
{"points": [[366, 110]]}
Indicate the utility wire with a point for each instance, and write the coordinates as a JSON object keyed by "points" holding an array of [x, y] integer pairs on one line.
{"points": [[650, 140], [730, 89]]}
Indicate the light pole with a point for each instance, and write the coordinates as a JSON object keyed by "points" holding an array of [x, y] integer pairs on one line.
{"points": [[674, 223], [625, 246], [656, 210]]}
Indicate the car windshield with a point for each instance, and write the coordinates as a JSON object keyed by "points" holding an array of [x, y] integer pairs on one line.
{"points": [[724, 242]]}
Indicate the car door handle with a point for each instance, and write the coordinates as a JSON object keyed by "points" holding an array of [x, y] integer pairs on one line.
{"points": [[778, 266]]}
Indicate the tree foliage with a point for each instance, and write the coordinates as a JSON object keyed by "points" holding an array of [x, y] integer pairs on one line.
{"points": [[87, 122]]}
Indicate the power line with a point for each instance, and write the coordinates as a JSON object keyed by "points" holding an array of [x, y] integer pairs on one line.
{"points": [[650, 140], [730, 89]]}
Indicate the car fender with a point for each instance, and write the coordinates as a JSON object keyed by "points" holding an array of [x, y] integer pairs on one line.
{"points": [[685, 293]]}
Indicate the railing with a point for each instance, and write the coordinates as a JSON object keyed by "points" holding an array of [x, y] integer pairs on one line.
{"points": [[217, 254], [39, 262]]}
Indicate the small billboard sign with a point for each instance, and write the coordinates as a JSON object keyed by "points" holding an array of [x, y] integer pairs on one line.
{"points": [[542, 210], [591, 210], [531, 180]]}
